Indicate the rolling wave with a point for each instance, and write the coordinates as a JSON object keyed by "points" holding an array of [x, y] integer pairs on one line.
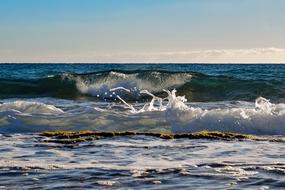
{"points": [[170, 114], [98, 85]]}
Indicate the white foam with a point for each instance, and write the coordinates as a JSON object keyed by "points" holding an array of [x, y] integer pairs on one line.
{"points": [[120, 88], [262, 118], [155, 82], [160, 114], [29, 107]]}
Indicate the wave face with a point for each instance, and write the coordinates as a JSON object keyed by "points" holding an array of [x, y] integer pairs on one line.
{"points": [[98, 85], [101, 84], [93, 84]]}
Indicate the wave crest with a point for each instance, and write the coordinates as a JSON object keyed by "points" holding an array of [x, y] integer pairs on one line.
{"points": [[100, 84]]}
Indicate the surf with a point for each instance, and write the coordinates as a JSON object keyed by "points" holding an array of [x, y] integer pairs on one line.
{"points": [[170, 113]]}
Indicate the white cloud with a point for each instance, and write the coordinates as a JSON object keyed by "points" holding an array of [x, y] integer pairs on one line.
{"points": [[254, 55]]}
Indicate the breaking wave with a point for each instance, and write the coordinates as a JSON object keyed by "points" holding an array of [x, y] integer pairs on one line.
{"points": [[100, 84], [262, 118], [171, 113], [97, 86]]}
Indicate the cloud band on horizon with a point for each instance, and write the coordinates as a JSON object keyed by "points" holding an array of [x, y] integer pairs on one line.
{"points": [[253, 55]]}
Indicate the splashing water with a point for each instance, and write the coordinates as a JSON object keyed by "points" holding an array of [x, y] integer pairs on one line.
{"points": [[171, 113], [100, 83], [263, 118]]}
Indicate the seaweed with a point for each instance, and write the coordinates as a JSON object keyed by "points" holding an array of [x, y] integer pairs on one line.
{"points": [[69, 137]]}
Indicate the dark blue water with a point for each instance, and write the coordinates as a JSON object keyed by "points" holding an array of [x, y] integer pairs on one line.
{"points": [[241, 71], [208, 83]]}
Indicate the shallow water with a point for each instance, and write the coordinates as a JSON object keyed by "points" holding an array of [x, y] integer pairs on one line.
{"points": [[140, 162]]}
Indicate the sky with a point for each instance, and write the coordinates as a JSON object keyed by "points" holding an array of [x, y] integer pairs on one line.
{"points": [[142, 31]]}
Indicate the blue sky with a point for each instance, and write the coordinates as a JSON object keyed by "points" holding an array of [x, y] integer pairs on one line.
{"points": [[142, 30]]}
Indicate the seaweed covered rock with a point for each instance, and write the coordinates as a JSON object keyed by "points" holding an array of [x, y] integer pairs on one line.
{"points": [[67, 137]]}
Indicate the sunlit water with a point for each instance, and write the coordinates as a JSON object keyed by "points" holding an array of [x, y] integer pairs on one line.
{"points": [[141, 162], [229, 98]]}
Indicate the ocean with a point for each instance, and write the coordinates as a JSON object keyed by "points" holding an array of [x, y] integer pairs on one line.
{"points": [[144, 99]]}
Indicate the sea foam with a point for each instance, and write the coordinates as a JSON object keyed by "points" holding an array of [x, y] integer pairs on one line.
{"points": [[264, 118], [171, 113], [29, 107]]}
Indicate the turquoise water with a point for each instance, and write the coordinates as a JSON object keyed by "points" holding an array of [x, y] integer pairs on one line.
{"points": [[141, 97]]}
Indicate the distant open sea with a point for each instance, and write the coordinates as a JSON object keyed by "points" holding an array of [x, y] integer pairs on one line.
{"points": [[144, 98]]}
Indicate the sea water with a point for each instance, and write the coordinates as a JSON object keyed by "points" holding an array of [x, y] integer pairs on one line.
{"points": [[152, 98]]}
